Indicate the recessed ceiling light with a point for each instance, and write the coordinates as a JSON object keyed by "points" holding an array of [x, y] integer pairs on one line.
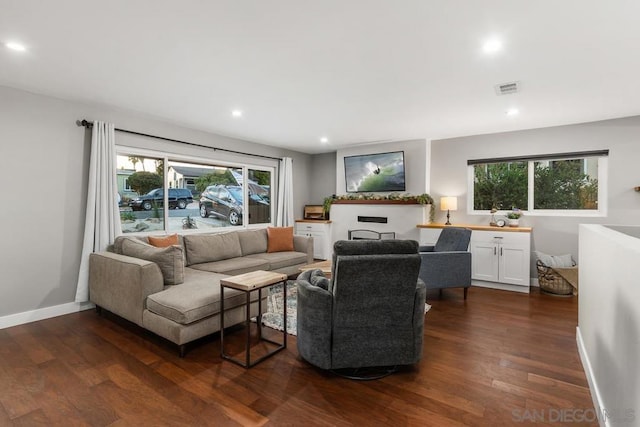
{"points": [[492, 46], [324, 140], [513, 112], [236, 113], [15, 46]]}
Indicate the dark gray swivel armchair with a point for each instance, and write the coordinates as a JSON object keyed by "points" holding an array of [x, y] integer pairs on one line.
{"points": [[448, 263], [371, 312]]}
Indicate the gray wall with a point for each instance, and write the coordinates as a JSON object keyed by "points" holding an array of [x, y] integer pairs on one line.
{"points": [[556, 235], [326, 173], [45, 168], [416, 160], [322, 177]]}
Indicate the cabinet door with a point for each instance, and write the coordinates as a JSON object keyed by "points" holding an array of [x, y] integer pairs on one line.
{"points": [[320, 234], [484, 261], [318, 245], [514, 264]]}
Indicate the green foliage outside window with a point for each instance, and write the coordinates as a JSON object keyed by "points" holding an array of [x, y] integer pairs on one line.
{"points": [[557, 185], [500, 185], [261, 177], [223, 177], [143, 182], [562, 184]]}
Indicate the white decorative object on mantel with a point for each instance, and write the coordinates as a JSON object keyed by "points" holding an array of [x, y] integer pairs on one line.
{"points": [[425, 214]]}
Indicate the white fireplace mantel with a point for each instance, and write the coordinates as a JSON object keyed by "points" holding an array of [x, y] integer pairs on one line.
{"points": [[402, 217]]}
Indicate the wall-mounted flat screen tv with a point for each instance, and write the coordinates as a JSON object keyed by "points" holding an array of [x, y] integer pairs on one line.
{"points": [[375, 172]]}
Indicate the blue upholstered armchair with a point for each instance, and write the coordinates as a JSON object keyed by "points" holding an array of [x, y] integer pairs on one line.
{"points": [[448, 263], [371, 312]]}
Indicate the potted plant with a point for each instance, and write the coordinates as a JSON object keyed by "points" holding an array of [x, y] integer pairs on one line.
{"points": [[188, 223], [514, 217]]}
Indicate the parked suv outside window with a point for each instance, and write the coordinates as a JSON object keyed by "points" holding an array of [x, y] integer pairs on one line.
{"points": [[225, 201], [178, 198]]}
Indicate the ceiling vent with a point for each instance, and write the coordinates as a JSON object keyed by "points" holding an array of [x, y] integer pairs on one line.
{"points": [[507, 88]]}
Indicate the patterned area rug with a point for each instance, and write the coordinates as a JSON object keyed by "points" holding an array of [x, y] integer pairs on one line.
{"points": [[275, 305]]}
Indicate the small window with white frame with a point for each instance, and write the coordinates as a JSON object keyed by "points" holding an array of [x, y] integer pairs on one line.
{"points": [[566, 184]]}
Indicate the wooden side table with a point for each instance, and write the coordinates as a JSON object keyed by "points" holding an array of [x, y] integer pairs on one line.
{"points": [[247, 283], [325, 266]]}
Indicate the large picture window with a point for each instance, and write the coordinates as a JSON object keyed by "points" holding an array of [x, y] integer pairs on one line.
{"points": [[559, 184], [198, 195]]}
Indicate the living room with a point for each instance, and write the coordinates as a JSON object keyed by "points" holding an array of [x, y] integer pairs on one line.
{"points": [[46, 155]]}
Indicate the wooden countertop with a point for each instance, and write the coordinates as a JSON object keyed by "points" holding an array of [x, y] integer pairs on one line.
{"points": [[480, 227], [315, 221]]}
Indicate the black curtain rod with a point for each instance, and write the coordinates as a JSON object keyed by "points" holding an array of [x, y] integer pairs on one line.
{"points": [[89, 124], [557, 156]]}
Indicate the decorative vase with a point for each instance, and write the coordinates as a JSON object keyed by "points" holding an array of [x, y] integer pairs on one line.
{"points": [[514, 222]]}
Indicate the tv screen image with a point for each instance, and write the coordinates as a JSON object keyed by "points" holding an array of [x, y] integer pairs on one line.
{"points": [[375, 172]]}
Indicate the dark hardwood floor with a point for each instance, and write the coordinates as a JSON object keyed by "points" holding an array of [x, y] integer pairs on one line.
{"points": [[498, 358]]}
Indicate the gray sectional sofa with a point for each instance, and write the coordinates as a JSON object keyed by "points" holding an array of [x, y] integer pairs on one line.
{"points": [[175, 291]]}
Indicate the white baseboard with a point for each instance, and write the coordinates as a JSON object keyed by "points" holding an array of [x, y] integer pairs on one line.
{"points": [[593, 386], [43, 313], [501, 286]]}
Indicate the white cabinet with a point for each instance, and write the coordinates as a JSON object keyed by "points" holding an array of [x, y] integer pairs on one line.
{"points": [[321, 232], [501, 257]]}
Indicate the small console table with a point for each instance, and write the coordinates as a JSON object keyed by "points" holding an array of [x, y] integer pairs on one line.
{"points": [[247, 283]]}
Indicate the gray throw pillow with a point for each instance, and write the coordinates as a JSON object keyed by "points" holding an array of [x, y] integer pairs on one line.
{"points": [[561, 261], [169, 259]]}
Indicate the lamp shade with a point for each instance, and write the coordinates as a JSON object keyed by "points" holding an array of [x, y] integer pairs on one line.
{"points": [[448, 203]]}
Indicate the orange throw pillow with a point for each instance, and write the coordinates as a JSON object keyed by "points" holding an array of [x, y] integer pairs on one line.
{"points": [[279, 239], [164, 242]]}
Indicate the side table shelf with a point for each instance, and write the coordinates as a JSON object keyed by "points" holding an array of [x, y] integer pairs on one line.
{"points": [[247, 283]]}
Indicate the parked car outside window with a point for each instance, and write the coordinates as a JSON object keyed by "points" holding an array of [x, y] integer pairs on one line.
{"points": [[225, 201], [178, 198]]}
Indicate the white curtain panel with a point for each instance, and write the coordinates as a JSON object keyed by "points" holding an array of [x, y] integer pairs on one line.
{"points": [[284, 218], [102, 223]]}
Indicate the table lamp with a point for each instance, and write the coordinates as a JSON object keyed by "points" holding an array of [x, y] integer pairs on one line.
{"points": [[448, 203]]}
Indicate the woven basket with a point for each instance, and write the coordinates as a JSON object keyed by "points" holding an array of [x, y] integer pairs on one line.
{"points": [[550, 281]]}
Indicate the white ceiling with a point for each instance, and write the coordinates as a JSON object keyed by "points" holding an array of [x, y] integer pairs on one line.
{"points": [[355, 71]]}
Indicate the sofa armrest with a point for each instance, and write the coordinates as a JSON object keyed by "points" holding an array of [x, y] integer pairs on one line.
{"points": [[304, 244], [121, 284], [445, 269], [314, 324]]}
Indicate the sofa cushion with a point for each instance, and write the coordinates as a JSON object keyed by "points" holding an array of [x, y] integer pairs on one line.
{"points": [[253, 241], [164, 241], [278, 260], [279, 239], [197, 298], [169, 259], [211, 247], [117, 244], [233, 266]]}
